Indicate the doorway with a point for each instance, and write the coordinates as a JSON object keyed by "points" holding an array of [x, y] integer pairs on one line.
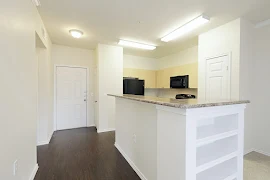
{"points": [[71, 97], [218, 78]]}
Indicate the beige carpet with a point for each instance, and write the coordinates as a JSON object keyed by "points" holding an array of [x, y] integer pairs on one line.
{"points": [[256, 167]]}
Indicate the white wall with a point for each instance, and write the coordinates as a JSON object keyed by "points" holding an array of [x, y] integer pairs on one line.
{"points": [[19, 89], [45, 95], [136, 62], [63, 55], [96, 89], [187, 56], [261, 89], [236, 38], [110, 81], [45, 84], [140, 119], [222, 40], [246, 79]]}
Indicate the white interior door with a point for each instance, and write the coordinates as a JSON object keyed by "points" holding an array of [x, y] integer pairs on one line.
{"points": [[71, 97], [218, 78]]}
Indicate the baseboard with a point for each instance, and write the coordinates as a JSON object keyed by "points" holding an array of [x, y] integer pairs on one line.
{"points": [[41, 143], [258, 151], [34, 172], [134, 167], [91, 125], [105, 130], [262, 152], [249, 151], [50, 137]]}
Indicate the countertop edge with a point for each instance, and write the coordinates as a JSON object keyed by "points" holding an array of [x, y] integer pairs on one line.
{"points": [[183, 106]]}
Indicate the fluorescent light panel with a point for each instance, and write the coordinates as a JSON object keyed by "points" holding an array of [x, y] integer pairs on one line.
{"points": [[136, 45], [186, 28]]}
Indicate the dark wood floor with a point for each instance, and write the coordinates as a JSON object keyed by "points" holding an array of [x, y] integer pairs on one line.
{"points": [[82, 154]]}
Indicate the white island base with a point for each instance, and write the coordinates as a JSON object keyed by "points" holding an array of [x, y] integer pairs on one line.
{"points": [[168, 143]]}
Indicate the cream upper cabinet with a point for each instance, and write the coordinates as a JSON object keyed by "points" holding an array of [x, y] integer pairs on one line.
{"points": [[126, 72], [161, 78], [187, 69], [149, 76]]}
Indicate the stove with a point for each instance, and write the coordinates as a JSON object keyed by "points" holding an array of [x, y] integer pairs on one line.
{"points": [[185, 96]]}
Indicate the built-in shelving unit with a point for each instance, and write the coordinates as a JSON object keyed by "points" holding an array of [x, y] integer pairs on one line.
{"points": [[232, 177], [217, 148], [212, 139], [223, 171], [215, 126], [181, 141]]}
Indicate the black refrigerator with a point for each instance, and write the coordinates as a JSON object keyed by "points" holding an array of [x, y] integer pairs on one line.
{"points": [[133, 86]]}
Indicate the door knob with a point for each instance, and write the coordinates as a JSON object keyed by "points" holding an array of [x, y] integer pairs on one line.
{"points": [[84, 99]]}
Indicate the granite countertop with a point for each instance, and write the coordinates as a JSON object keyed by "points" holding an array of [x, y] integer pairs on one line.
{"points": [[180, 103]]}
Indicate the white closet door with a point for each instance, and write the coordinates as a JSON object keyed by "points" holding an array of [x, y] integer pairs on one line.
{"points": [[71, 97], [218, 78]]}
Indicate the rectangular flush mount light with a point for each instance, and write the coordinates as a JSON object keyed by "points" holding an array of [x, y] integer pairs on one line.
{"points": [[136, 45], [186, 28]]}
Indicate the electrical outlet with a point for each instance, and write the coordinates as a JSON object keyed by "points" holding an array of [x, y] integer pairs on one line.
{"points": [[134, 138], [15, 167]]}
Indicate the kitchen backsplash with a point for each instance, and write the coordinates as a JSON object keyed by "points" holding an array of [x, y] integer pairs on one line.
{"points": [[169, 93]]}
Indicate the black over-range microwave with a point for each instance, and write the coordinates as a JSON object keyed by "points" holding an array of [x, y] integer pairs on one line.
{"points": [[179, 82]]}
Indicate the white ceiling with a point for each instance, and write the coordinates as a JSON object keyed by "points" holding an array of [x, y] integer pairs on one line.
{"points": [[146, 21]]}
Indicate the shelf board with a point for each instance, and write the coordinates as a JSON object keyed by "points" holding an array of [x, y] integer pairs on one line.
{"points": [[232, 177], [216, 162], [211, 139]]}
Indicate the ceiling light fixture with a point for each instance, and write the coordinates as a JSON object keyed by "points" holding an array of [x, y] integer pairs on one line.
{"points": [[136, 45], [186, 28], [36, 2], [76, 33]]}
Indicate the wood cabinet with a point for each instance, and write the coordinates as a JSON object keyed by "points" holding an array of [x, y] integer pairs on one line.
{"points": [[161, 78], [149, 76]]}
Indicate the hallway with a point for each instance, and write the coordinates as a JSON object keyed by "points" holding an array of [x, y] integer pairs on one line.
{"points": [[82, 154]]}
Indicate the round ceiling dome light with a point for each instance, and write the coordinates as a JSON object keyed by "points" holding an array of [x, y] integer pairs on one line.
{"points": [[76, 33]]}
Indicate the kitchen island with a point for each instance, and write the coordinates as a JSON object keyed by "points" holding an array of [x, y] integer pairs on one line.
{"points": [[190, 139]]}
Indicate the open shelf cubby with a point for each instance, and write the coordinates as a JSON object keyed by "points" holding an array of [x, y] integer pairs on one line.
{"points": [[224, 171], [214, 126], [216, 152]]}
